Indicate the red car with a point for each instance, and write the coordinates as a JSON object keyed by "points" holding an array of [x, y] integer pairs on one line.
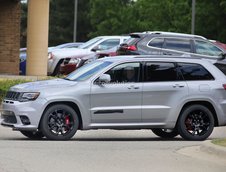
{"points": [[220, 44], [71, 64]]}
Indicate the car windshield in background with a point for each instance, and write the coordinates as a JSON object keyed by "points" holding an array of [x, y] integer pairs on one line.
{"points": [[87, 71], [89, 43]]}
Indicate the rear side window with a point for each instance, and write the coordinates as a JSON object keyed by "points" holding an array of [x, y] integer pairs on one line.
{"points": [[161, 71], [156, 42], [107, 44], [178, 44], [222, 67], [193, 72]]}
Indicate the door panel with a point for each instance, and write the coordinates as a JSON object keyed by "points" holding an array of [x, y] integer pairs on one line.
{"points": [[120, 100], [111, 103], [160, 99]]}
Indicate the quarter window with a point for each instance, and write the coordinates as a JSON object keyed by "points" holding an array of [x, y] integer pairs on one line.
{"points": [[160, 71], [194, 72], [206, 48], [156, 42], [178, 44]]}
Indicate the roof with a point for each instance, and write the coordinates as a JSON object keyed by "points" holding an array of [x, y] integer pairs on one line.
{"points": [[169, 34], [154, 58]]}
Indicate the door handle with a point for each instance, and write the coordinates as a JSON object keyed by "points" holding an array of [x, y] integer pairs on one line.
{"points": [[178, 86], [133, 87]]}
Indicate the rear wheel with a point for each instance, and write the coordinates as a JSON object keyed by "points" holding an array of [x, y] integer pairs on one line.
{"points": [[196, 123], [165, 133], [59, 122], [33, 134]]}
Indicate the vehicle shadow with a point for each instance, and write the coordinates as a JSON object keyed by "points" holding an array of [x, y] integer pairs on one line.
{"points": [[96, 139]]}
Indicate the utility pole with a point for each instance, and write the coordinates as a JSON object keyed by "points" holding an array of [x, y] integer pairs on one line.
{"points": [[193, 18], [75, 20]]}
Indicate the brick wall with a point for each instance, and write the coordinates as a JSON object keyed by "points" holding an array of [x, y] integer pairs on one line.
{"points": [[9, 36]]}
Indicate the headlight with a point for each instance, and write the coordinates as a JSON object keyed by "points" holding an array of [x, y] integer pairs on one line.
{"points": [[73, 61], [29, 96]]}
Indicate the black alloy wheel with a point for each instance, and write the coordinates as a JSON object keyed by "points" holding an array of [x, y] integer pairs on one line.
{"points": [[59, 122], [196, 123]]}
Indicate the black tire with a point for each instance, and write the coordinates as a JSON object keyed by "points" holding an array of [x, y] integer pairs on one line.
{"points": [[165, 133], [59, 122], [196, 122], [35, 135]]}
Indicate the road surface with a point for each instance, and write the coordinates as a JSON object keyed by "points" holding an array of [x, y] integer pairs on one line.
{"points": [[108, 151]]}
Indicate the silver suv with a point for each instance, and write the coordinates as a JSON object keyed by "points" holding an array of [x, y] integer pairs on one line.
{"points": [[170, 96]]}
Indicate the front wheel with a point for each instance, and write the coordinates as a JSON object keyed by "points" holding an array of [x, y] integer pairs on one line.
{"points": [[59, 122], [196, 123], [165, 133]]}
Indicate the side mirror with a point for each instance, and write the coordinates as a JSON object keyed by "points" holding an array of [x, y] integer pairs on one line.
{"points": [[223, 55], [104, 78], [96, 48]]}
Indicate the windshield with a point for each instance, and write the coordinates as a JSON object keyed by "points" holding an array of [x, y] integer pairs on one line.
{"points": [[87, 71], [90, 43]]}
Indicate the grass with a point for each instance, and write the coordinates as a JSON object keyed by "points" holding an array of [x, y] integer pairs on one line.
{"points": [[5, 84], [220, 142]]}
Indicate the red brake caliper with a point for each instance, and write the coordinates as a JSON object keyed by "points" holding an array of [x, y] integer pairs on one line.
{"points": [[67, 120]]}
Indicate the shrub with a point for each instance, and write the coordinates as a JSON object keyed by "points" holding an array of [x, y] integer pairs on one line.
{"points": [[6, 84]]}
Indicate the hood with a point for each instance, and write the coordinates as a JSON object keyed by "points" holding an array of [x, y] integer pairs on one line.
{"points": [[41, 85], [71, 52]]}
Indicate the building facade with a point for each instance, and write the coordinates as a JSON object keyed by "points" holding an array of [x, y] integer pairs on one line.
{"points": [[9, 36]]}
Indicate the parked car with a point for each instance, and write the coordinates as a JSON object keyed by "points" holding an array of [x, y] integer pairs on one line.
{"points": [[96, 44], [23, 53], [71, 64], [69, 45], [220, 44], [166, 94], [169, 43], [23, 58]]}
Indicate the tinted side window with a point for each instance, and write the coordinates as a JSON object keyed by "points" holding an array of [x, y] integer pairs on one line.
{"points": [[222, 67], [178, 44], [127, 72], [192, 72], [206, 48], [156, 42], [161, 71]]}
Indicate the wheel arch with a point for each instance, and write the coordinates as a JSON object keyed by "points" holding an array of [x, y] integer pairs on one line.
{"points": [[204, 103], [70, 104]]}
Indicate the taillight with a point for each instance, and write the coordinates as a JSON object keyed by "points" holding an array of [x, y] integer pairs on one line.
{"points": [[131, 48], [224, 86]]}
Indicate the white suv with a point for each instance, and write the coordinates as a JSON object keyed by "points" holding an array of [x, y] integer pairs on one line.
{"points": [[170, 95], [56, 57]]}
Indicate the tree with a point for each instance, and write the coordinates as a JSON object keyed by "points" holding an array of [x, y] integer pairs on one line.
{"points": [[210, 19]]}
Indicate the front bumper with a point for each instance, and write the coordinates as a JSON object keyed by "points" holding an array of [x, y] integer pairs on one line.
{"points": [[67, 68], [21, 115]]}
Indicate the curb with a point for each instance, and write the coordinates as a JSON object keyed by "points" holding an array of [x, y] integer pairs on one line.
{"points": [[211, 148]]}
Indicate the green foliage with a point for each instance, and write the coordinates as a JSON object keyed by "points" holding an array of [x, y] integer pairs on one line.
{"points": [[116, 17], [61, 22], [6, 84], [220, 142]]}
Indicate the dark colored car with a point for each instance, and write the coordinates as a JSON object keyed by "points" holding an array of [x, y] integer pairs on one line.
{"points": [[169, 43]]}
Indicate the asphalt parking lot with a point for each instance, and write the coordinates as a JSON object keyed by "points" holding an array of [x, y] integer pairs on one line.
{"points": [[107, 150]]}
